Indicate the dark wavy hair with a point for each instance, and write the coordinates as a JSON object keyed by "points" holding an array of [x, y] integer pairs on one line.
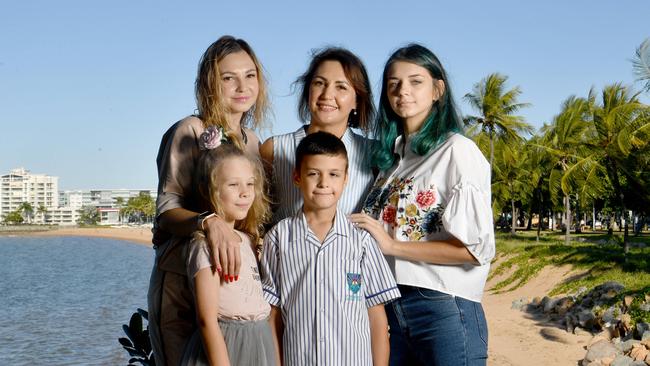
{"points": [[441, 120], [354, 71]]}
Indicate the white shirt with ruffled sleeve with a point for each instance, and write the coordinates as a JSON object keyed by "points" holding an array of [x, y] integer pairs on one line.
{"points": [[443, 194]]}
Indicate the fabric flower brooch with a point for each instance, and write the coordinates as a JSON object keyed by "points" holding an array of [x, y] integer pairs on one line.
{"points": [[211, 138]]}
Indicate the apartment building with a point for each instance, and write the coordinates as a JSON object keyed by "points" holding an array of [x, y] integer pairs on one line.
{"points": [[20, 186], [61, 207]]}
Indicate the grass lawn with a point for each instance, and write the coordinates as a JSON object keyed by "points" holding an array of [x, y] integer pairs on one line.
{"points": [[597, 256]]}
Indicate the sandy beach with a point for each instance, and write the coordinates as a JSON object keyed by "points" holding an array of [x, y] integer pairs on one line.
{"points": [[519, 338], [515, 337], [140, 235]]}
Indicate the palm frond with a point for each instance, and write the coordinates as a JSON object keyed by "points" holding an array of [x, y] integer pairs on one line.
{"points": [[586, 178], [641, 64]]}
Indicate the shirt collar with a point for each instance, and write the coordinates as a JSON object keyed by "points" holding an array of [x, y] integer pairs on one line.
{"points": [[339, 228], [399, 148]]}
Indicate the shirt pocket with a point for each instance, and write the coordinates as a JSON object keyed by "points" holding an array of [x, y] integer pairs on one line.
{"points": [[353, 281]]}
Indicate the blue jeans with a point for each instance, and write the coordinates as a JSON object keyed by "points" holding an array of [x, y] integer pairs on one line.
{"points": [[429, 327]]}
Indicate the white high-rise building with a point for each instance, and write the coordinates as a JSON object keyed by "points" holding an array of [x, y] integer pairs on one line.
{"points": [[61, 208], [20, 186]]}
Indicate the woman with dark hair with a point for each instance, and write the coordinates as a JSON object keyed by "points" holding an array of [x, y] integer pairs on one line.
{"points": [[430, 212], [335, 96], [231, 98]]}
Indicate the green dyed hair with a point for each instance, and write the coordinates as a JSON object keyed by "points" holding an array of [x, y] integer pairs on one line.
{"points": [[439, 123]]}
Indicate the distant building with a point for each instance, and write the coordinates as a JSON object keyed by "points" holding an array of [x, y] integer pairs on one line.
{"points": [[39, 190], [61, 207], [72, 199], [109, 216], [107, 201], [63, 216]]}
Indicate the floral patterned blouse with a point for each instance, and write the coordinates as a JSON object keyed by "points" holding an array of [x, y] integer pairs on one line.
{"points": [[433, 197]]}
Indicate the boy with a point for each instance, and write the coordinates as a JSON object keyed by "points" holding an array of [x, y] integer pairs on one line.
{"points": [[326, 280]]}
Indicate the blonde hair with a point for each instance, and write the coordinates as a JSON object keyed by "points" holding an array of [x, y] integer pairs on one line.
{"points": [[209, 94], [208, 178]]}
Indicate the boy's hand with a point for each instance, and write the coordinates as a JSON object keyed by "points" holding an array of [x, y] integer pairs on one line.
{"points": [[376, 229], [224, 246]]}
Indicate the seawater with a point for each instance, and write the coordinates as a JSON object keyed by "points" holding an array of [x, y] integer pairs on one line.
{"points": [[63, 300]]}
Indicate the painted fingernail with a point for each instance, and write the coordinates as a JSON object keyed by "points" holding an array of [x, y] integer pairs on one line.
{"points": [[232, 278], [237, 278]]}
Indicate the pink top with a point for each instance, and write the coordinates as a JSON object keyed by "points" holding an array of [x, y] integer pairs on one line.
{"points": [[239, 300]]}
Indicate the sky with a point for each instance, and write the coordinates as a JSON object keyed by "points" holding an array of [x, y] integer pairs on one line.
{"points": [[87, 88]]}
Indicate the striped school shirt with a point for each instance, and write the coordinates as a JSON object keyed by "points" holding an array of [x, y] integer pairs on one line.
{"points": [[324, 290], [289, 198]]}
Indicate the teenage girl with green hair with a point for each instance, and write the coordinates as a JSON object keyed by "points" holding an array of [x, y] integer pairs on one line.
{"points": [[430, 212]]}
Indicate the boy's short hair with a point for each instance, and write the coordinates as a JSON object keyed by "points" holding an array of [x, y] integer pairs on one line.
{"points": [[320, 143]]}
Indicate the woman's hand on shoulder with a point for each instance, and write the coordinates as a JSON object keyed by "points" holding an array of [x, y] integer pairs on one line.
{"points": [[224, 246], [376, 229]]}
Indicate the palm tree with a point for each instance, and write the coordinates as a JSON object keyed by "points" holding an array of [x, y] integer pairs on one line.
{"points": [[497, 108], [622, 126], [564, 140], [510, 178], [41, 210], [27, 210], [641, 64], [119, 203], [538, 166]]}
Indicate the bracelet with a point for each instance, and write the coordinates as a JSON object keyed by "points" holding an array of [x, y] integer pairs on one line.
{"points": [[204, 216]]}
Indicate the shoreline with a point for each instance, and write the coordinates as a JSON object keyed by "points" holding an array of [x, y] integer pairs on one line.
{"points": [[516, 337], [137, 235]]}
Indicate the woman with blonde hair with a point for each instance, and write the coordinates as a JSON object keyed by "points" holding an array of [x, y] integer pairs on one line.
{"points": [[231, 99]]}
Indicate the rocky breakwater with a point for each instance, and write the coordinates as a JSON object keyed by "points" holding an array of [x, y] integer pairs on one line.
{"points": [[619, 321]]}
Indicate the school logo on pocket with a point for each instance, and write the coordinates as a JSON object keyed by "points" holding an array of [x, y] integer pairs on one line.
{"points": [[354, 282]]}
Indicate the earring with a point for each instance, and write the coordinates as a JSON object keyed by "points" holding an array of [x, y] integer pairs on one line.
{"points": [[352, 118]]}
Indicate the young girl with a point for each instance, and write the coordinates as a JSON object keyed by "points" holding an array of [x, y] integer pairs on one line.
{"points": [[431, 215], [232, 316], [231, 97]]}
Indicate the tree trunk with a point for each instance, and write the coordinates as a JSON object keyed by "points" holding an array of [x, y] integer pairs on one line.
{"points": [[491, 147], [593, 216], [539, 217], [578, 223], [613, 171], [626, 244], [567, 221], [514, 217], [551, 223]]}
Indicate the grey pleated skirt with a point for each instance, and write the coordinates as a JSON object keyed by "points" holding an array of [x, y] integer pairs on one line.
{"points": [[249, 343]]}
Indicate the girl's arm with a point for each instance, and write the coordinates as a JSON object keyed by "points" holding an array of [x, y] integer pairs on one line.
{"points": [[379, 335], [450, 251], [223, 242], [207, 304], [277, 329]]}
